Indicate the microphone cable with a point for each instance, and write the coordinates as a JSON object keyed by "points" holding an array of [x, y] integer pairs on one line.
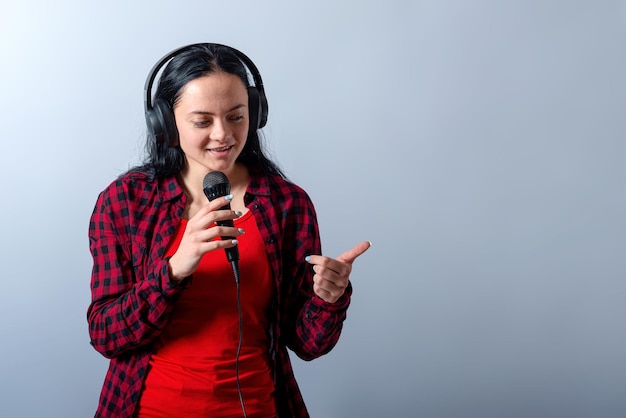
{"points": [[236, 273]]}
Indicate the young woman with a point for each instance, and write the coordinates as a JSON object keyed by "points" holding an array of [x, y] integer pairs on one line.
{"points": [[184, 338]]}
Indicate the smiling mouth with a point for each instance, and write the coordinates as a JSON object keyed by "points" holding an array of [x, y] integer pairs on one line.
{"points": [[221, 149]]}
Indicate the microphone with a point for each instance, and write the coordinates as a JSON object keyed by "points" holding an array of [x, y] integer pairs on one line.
{"points": [[216, 185]]}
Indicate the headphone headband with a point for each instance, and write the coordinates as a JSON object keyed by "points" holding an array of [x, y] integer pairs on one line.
{"points": [[159, 117]]}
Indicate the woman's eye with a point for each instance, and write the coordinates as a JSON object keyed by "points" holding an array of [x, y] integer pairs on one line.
{"points": [[237, 118], [201, 123]]}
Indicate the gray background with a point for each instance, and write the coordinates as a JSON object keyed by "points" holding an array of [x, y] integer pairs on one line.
{"points": [[478, 144]]}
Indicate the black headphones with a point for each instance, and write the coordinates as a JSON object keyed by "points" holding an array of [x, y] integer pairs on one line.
{"points": [[160, 117]]}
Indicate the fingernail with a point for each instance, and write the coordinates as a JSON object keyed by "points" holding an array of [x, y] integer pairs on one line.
{"points": [[228, 197], [308, 258], [235, 242], [370, 243], [241, 230], [238, 213]]}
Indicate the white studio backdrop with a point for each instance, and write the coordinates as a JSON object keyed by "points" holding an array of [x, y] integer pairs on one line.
{"points": [[479, 145]]}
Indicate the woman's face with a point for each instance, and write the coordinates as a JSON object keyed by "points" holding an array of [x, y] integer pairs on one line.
{"points": [[212, 120]]}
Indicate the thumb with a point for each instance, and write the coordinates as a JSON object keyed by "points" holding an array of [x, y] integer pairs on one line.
{"points": [[351, 255]]}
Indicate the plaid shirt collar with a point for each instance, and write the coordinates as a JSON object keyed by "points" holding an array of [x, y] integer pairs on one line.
{"points": [[170, 188]]}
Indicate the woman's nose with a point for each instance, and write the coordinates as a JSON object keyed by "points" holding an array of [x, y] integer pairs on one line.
{"points": [[220, 130]]}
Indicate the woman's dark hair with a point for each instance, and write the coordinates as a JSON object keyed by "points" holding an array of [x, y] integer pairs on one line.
{"points": [[200, 60]]}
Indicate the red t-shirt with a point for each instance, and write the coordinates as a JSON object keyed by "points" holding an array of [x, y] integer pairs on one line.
{"points": [[192, 368]]}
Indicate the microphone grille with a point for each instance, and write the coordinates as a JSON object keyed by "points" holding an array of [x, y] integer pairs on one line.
{"points": [[214, 178], [215, 184]]}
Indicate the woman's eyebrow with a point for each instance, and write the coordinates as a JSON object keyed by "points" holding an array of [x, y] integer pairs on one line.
{"points": [[204, 112]]}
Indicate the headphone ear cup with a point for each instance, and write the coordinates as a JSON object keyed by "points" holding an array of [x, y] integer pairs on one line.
{"points": [[263, 110], [161, 124], [254, 106], [257, 103]]}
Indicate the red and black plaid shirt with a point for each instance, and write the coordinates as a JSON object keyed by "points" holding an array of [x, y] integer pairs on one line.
{"points": [[133, 297]]}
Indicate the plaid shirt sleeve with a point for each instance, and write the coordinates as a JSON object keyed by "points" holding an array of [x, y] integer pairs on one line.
{"points": [[132, 295], [314, 325], [310, 326]]}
